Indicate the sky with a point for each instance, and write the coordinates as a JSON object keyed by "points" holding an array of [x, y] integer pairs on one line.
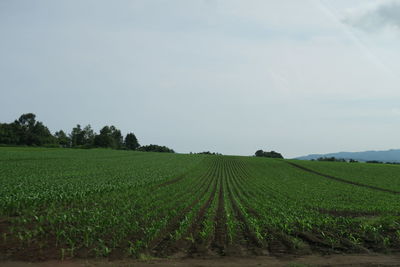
{"points": [[229, 76]]}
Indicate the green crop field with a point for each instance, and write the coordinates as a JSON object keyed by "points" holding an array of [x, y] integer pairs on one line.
{"points": [[385, 176], [65, 203]]}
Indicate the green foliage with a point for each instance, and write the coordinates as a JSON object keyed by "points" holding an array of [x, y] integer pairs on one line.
{"points": [[208, 153], [156, 148], [272, 154], [109, 137], [9, 134], [26, 131], [29, 132], [131, 142], [331, 159], [82, 137], [62, 139]]}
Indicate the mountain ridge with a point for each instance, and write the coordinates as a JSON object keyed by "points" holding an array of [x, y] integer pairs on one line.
{"points": [[391, 155]]}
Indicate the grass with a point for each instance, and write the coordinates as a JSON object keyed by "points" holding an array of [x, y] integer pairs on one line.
{"points": [[66, 203]]}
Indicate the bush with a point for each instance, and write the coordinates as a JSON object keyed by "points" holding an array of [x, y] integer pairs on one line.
{"points": [[272, 154], [331, 159], [156, 148]]}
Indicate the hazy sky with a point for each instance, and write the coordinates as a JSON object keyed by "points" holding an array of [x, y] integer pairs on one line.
{"points": [[230, 76]]}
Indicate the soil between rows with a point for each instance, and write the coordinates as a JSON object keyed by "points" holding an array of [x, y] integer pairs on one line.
{"points": [[288, 260]]}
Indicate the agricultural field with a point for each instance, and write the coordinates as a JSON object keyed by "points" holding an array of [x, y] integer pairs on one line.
{"points": [[385, 176], [71, 203]]}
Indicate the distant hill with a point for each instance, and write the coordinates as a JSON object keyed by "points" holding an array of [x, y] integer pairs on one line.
{"points": [[392, 155]]}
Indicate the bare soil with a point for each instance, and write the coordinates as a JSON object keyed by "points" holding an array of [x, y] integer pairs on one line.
{"points": [[289, 261], [220, 235]]}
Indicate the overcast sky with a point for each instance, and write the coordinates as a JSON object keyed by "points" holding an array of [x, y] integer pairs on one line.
{"points": [[298, 77]]}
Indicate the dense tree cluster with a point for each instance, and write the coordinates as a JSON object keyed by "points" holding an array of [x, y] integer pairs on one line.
{"points": [[272, 154], [28, 131], [207, 153], [382, 162], [374, 161], [25, 131], [337, 159], [156, 148], [331, 159]]}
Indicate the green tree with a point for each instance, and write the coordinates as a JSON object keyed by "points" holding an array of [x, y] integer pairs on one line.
{"points": [[9, 134], [156, 148], [32, 132], [41, 135], [24, 128], [88, 136], [62, 139], [131, 142], [109, 137], [272, 154], [76, 136], [82, 137], [259, 153], [118, 139]]}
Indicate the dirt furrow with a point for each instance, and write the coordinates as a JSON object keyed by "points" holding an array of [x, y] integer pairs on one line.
{"points": [[176, 198], [158, 244], [191, 240], [279, 244], [197, 244], [251, 243], [220, 234]]}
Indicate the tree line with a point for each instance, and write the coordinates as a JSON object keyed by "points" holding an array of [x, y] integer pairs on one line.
{"points": [[27, 131], [271, 154], [333, 159]]}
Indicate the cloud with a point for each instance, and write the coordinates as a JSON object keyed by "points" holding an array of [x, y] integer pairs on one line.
{"points": [[385, 15]]}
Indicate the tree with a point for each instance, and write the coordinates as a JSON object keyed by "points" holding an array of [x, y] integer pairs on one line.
{"points": [[118, 139], [131, 142], [331, 159], [62, 139], [208, 153], [40, 135], [9, 134], [82, 137], [31, 132], [272, 154], [27, 131], [76, 136], [156, 148], [27, 120], [259, 153], [88, 135], [109, 137], [24, 128]]}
